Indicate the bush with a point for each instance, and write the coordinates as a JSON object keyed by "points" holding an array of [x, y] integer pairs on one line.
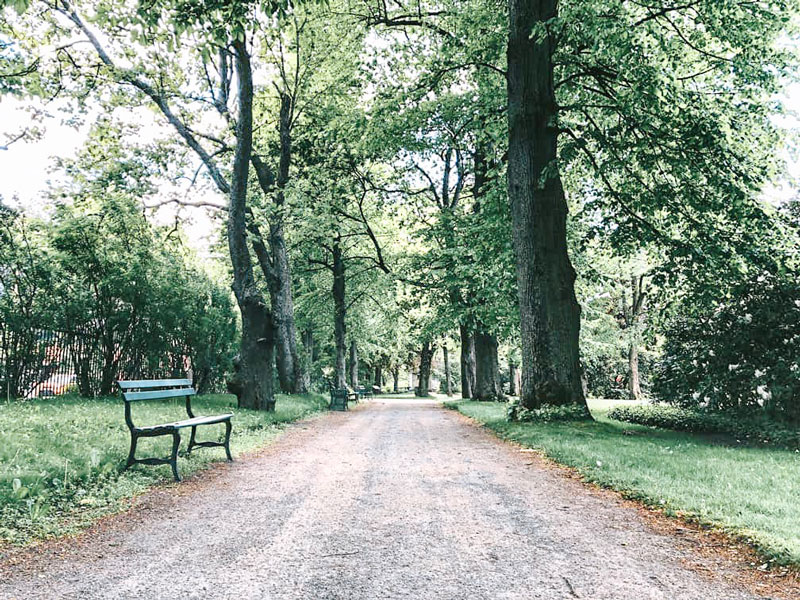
{"points": [[546, 414], [740, 354], [744, 427]]}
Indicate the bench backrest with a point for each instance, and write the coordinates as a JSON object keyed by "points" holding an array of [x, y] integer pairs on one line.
{"points": [[156, 389], [134, 390]]}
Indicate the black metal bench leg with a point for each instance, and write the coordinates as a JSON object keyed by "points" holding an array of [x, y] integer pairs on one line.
{"points": [[191, 440], [173, 461], [132, 452], [228, 428]]}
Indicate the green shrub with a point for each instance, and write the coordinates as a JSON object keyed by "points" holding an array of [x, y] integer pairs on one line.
{"points": [[738, 353], [546, 414], [743, 427]]}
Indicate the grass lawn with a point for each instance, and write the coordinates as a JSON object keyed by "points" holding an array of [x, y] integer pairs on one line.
{"points": [[61, 459], [749, 492]]}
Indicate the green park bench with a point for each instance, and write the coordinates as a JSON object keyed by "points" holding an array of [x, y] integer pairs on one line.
{"points": [[364, 392], [340, 397], [164, 389]]}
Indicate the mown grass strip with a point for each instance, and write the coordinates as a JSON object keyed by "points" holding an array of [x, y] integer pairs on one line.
{"points": [[61, 459], [750, 492]]}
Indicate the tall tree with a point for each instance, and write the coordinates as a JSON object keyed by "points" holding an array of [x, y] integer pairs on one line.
{"points": [[224, 30], [426, 354], [252, 382], [310, 60], [549, 310]]}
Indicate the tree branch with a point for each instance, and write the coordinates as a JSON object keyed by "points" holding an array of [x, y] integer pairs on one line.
{"points": [[159, 99]]}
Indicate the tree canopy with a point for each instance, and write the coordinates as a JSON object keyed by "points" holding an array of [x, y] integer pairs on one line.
{"points": [[570, 193]]}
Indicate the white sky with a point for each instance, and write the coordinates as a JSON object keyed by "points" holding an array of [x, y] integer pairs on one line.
{"points": [[27, 168]]}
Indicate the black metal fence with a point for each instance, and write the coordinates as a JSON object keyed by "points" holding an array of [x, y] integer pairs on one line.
{"points": [[44, 362]]}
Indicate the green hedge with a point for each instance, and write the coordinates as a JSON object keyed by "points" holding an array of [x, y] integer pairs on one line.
{"points": [[546, 414], [745, 428]]}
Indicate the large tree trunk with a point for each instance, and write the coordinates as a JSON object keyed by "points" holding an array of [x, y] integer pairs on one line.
{"points": [[396, 380], [290, 370], [513, 374], [634, 386], [353, 364], [339, 315], [308, 357], [287, 359], [378, 377], [487, 368], [549, 311], [447, 389], [467, 362], [425, 360], [252, 382]]}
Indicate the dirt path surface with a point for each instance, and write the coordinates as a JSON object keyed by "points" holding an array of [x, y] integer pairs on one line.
{"points": [[397, 499]]}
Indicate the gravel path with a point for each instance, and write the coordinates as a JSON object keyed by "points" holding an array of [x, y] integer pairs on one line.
{"points": [[397, 499]]}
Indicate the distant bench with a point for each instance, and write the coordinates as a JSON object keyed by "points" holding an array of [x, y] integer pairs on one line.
{"points": [[340, 396], [163, 389], [364, 392]]}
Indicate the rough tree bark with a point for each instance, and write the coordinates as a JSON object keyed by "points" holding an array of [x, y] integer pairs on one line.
{"points": [[425, 360], [339, 314], [353, 364], [487, 368], [447, 376], [308, 356], [513, 375], [467, 362], [549, 311], [288, 363], [252, 381]]}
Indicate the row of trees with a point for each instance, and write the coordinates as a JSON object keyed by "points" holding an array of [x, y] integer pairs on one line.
{"points": [[399, 172]]}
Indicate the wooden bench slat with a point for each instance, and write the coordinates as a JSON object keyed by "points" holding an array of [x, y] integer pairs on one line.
{"points": [[201, 420], [158, 394], [189, 423], [145, 384]]}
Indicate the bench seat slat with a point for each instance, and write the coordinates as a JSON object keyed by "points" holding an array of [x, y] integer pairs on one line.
{"points": [[158, 394], [188, 423], [146, 384]]}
